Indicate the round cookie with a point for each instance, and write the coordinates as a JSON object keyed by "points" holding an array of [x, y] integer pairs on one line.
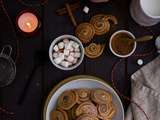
{"points": [[67, 100], [72, 112], [85, 32], [101, 96], [83, 95], [106, 111], [100, 24], [59, 114], [87, 108], [94, 50]]}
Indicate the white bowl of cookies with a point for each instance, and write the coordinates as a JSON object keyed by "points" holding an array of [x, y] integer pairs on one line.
{"points": [[66, 52], [83, 98]]}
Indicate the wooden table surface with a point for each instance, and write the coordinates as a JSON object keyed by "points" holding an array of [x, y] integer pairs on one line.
{"points": [[47, 76]]}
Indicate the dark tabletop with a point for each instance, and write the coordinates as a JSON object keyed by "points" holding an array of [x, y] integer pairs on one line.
{"points": [[46, 75]]}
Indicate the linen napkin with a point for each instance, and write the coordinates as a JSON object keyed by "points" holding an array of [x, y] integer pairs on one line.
{"points": [[145, 84]]}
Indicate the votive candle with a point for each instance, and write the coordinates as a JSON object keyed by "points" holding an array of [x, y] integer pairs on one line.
{"points": [[28, 22]]}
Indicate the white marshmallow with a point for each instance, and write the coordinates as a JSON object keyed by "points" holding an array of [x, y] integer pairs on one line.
{"points": [[75, 45], [55, 48], [77, 50], [59, 59], [70, 59], [86, 9], [55, 54], [66, 52], [72, 54], [75, 61], [60, 54], [61, 45], [65, 64], [77, 54], [71, 42], [66, 41], [69, 47]]}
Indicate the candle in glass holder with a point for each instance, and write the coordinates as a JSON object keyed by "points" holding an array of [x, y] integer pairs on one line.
{"points": [[27, 22]]}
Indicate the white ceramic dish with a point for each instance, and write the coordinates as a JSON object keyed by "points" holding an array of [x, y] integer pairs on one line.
{"points": [[110, 43], [57, 40], [81, 82]]}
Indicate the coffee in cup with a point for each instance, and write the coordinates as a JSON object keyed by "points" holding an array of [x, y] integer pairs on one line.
{"points": [[122, 43]]}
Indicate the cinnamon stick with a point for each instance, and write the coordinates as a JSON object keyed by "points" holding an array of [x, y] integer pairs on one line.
{"points": [[71, 14], [73, 7]]}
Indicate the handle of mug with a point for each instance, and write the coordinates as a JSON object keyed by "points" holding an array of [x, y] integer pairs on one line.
{"points": [[5, 48]]}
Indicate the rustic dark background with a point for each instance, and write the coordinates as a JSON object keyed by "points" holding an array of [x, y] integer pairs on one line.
{"points": [[47, 76]]}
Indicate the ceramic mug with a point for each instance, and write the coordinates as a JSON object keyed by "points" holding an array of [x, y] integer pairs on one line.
{"points": [[122, 32], [145, 12]]}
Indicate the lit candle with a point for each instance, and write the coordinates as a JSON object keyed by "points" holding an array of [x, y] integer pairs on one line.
{"points": [[27, 22]]}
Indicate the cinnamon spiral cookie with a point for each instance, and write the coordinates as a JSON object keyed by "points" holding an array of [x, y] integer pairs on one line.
{"points": [[85, 32], [106, 111], [72, 112], [67, 100], [94, 50], [87, 117], [87, 108], [101, 96], [83, 95], [111, 18], [59, 114], [101, 25]]}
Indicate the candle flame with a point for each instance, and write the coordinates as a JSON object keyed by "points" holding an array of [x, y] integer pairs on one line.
{"points": [[29, 25]]}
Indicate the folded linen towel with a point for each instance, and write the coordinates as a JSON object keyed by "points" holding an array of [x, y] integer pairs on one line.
{"points": [[145, 92]]}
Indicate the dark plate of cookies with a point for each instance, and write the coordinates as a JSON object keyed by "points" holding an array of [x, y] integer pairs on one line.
{"points": [[83, 98]]}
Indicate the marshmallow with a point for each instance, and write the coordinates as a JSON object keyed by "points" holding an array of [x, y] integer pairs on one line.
{"points": [[72, 54], [61, 45], [75, 45], [66, 52], [77, 50], [55, 54], [66, 41], [86, 9], [65, 64], [77, 55], [56, 49], [60, 54], [59, 59], [75, 61], [70, 59], [71, 42], [69, 47]]}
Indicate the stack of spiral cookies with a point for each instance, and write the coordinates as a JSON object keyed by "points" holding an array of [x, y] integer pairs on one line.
{"points": [[84, 104], [98, 25]]}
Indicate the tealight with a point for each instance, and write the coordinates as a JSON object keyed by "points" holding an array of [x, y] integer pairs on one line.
{"points": [[27, 22]]}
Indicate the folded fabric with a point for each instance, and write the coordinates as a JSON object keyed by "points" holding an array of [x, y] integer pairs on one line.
{"points": [[145, 92]]}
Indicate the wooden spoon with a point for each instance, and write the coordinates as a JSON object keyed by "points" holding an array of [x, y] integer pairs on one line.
{"points": [[141, 39]]}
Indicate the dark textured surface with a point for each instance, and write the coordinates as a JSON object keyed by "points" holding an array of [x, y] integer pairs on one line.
{"points": [[47, 76]]}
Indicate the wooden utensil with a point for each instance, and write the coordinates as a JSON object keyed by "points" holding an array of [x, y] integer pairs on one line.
{"points": [[141, 39]]}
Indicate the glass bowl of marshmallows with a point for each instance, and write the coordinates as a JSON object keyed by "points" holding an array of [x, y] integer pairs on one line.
{"points": [[66, 52]]}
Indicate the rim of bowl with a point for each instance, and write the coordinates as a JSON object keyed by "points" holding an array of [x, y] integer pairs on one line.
{"points": [[59, 39], [73, 78], [116, 54], [146, 13]]}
